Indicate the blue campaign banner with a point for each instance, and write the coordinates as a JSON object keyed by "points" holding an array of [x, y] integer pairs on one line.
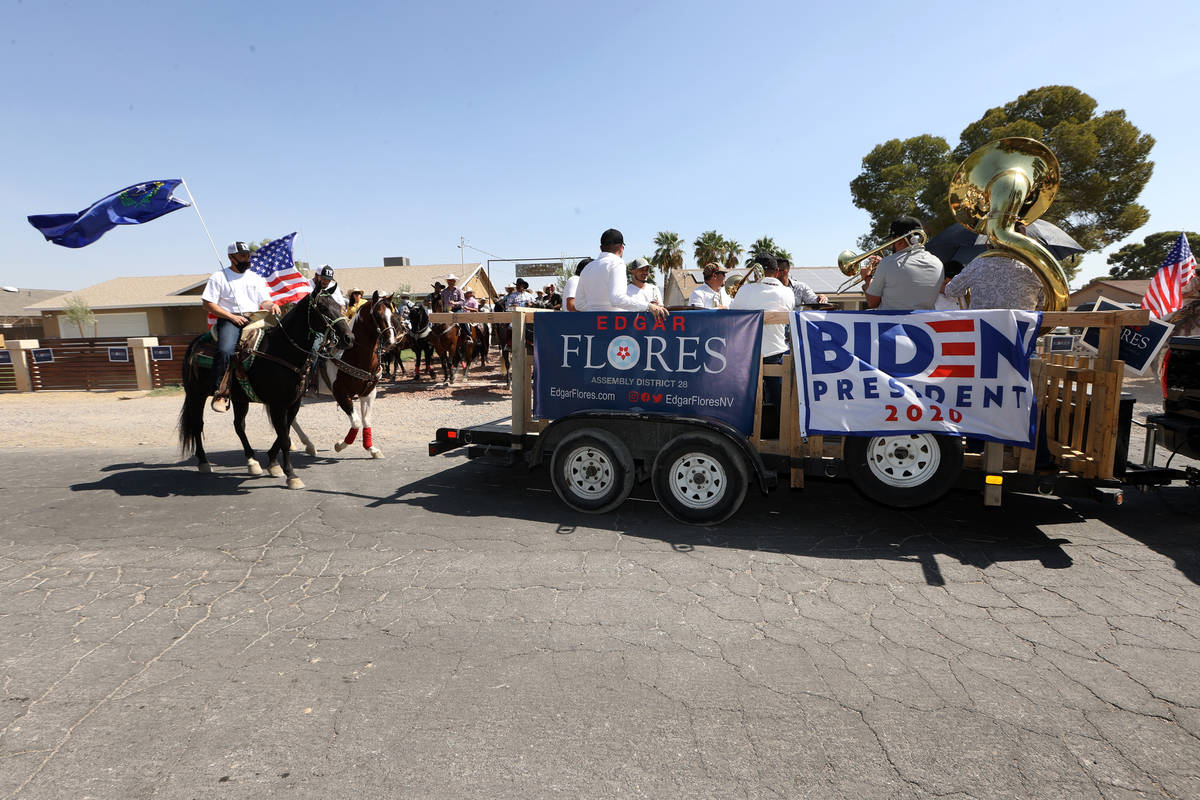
{"points": [[1139, 343], [694, 364]]}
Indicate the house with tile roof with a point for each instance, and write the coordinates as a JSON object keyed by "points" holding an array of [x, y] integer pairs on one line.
{"points": [[165, 305]]}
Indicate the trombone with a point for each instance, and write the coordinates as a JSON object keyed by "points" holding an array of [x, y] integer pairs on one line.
{"points": [[848, 261]]}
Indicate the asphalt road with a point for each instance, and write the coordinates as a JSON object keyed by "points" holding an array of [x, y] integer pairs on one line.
{"points": [[439, 628]]}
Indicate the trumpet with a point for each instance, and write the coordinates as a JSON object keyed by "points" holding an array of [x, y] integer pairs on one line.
{"points": [[848, 261]]}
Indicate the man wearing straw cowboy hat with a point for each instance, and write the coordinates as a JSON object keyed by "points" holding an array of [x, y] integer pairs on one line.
{"points": [[452, 296]]}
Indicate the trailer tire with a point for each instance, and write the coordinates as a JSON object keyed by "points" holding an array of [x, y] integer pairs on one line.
{"points": [[700, 479], [904, 470], [592, 471]]}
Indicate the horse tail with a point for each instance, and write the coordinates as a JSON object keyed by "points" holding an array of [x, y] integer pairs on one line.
{"points": [[191, 416]]}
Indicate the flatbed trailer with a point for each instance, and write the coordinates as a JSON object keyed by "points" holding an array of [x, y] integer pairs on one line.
{"points": [[701, 468]]}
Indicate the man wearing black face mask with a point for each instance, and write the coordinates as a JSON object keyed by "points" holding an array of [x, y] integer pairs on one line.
{"points": [[230, 295]]}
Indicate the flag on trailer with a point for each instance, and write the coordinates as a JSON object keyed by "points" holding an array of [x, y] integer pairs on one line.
{"points": [[132, 205], [274, 262], [1164, 295]]}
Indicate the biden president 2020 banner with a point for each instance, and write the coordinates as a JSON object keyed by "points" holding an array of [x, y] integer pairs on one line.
{"points": [[888, 372], [691, 363]]}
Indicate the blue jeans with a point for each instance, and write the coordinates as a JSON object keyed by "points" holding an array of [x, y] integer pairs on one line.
{"points": [[227, 335]]}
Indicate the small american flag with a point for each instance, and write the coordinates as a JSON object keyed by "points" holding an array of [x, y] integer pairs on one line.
{"points": [[1164, 295], [274, 262]]}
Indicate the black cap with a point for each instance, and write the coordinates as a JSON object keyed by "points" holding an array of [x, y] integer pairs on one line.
{"points": [[903, 225], [610, 237]]}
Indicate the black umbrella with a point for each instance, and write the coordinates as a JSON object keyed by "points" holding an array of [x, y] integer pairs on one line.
{"points": [[961, 244]]}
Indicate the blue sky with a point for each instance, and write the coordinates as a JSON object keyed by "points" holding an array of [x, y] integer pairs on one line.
{"points": [[391, 129]]}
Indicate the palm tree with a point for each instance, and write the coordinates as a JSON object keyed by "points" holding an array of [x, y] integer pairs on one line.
{"points": [[79, 312], [764, 244], [730, 253], [709, 248], [669, 254]]}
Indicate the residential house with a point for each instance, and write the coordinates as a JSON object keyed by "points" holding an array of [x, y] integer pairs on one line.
{"points": [[164, 305]]}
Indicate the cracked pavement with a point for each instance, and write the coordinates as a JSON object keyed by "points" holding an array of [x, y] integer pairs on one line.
{"points": [[433, 627]]}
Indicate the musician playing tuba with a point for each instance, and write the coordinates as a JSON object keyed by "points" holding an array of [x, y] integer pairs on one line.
{"points": [[910, 278], [997, 281]]}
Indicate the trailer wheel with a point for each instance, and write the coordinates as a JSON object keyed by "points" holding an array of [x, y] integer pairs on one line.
{"points": [[699, 479], [592, 471], [906, 470]]}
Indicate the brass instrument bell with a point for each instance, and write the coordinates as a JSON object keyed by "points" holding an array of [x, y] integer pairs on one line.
{"points": [[1005, 182]]}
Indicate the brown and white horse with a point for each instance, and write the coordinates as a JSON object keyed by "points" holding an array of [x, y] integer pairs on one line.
{"points": [[354, 375]]}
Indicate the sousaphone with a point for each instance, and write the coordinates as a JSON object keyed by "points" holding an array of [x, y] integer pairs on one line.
{"points": [[1005, 182]]}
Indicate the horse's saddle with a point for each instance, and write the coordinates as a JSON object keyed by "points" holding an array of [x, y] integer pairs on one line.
{"points": [[247, 347]]}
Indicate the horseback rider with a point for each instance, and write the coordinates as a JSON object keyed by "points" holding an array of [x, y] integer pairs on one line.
{"points": [[323, 283], [230, 296]]}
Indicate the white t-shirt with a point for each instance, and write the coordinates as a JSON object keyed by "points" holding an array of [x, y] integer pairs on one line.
{"points": [[602, 287], [649, 292], [767, 295], [569, 289], [704, 296], [237, 292]]}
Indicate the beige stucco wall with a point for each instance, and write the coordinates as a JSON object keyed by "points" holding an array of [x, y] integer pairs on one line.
{"points": [[161, 321]]}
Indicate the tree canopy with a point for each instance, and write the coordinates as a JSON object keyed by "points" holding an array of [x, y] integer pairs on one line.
{"points": [[76, 310], [1143, 260], [1104, 159], [766, 244]]}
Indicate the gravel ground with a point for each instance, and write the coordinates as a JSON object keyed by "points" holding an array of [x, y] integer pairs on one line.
{"points": [[405, 411]]}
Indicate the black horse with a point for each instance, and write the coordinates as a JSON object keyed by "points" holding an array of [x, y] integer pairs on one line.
{"points": [[419, 329], [276, 378]]}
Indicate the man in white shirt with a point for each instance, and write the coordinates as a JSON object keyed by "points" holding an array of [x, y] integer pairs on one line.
{"points": [[639, 283], [602, 283], [769, 294], [230, 295], [573, 285], [711, 293]]}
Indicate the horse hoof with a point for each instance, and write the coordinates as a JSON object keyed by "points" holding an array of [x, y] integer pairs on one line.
{"points": [[340, 446], [253, 466], [295, 483], [376, 452], [311, 449], [205, 467], [275, 470]]}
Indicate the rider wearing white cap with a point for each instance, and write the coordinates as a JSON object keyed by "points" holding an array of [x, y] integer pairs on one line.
{"points": [[230, 295]]}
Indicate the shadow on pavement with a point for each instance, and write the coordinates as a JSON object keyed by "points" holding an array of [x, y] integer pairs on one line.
{"points": [[827, 521]]}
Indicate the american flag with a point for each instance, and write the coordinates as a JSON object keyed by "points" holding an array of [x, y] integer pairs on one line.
{"points": [[1164, 295], [274, 262]]}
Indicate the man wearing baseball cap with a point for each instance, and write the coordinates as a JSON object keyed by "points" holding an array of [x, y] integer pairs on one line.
{"points": [[639, 281], [602, 285], [910, 278], [230, 296], [323, 283]]}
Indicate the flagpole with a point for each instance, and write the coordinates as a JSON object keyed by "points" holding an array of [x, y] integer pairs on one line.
{"points": [[216, 252], [307, 257]]}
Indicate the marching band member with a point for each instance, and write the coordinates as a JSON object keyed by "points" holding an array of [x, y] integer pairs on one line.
{"points": [[910, 278], [804, 294], [711, 293]]}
